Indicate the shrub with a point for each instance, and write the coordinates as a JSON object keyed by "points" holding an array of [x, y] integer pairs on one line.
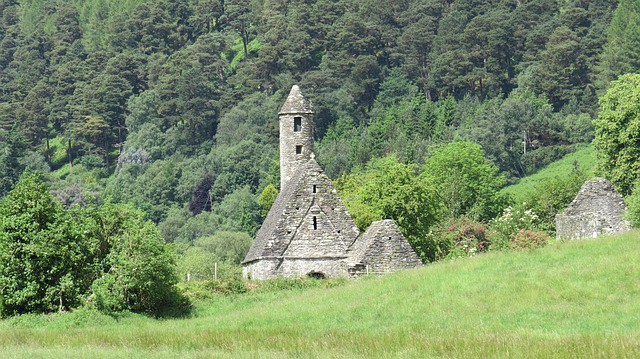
{"points": [[55, 259], [633, 206], [458, 238], [503, 229], [528, 239], [553, 196]]}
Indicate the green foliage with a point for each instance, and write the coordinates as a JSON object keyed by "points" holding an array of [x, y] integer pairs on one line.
{"points": [[46, 257], [457, 237], [518, 221], [140, 274], [52, 259], [553, 196], [266, 199], [466, 183], [12, 147], [620, 53], [618, 134], [218, 254], [633, 206], [388, 189]]}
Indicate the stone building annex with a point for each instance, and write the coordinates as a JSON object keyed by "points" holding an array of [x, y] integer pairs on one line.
{"points": [[308, 231]]}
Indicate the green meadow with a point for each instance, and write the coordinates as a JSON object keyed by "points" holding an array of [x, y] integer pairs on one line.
{"points": [[569, 299], [583, 159]]}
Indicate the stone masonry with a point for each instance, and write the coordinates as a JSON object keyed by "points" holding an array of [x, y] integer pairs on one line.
{"points": [[308, 230], [382, 248], [296, 134], [597, 209]]}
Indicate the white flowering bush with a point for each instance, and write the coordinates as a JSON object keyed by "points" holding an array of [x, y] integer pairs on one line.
{"points": [[514, 220]]}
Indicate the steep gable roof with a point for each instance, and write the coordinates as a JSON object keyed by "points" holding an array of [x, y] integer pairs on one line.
{"points": [[309, 194], [383, 246]]}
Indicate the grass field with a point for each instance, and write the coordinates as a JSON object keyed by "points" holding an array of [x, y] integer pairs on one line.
{"points": [[570, 299], [584, 158]]}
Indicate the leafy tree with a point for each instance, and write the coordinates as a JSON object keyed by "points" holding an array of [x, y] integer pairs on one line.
{"points": [[387, 188], [139, 268], [562, 73], [620, 55], [12, 148], [266, 199], [45, 257], [466, 183], [52, 259], [618, 132]]}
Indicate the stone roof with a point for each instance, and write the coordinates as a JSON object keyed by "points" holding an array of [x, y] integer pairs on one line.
{"points": [[285, 223], [383, 241], [296, 103]]}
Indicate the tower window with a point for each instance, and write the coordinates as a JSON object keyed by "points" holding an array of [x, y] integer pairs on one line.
{"points": [[315, 188], [297, 124], [298, 149], [315, 222]]}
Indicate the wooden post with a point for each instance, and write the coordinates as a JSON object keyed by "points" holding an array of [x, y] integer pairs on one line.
{"points": [[367, 269], [188, 276]]}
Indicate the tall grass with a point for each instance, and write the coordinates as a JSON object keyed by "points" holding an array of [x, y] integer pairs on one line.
{"points": [[570, 299]]}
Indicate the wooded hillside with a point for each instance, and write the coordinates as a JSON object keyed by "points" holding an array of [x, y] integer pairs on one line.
{"points": [[171, 105]]}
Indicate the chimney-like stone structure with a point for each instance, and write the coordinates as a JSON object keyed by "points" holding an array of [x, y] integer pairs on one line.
{"points": [[296, 134]]}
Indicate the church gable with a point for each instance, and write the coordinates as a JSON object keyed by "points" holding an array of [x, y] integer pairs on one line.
{"points": [[308, 219]]}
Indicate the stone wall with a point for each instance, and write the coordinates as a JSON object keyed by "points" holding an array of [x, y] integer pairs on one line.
{"points": [[381, 249], [597, 209]]}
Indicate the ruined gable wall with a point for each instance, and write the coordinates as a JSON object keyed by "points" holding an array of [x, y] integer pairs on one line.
{"points": [[597, 209]]}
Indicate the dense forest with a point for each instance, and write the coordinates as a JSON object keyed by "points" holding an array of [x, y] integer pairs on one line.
{"points": [[170, 106]]}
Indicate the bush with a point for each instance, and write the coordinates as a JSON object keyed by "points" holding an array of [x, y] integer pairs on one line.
{"points": [[140, 273], [458, 238], [53, 259], [633, 206], [553, 196], [502, 230], [528, 239]]}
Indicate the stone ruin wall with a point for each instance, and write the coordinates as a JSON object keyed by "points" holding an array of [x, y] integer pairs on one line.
{"points": [[597, 209]]}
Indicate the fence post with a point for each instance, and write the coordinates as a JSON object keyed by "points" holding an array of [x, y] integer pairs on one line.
{"points": [[367, 269], [188, 276]]}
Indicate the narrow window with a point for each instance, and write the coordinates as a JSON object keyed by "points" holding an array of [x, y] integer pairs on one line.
{"points": [[314, 188], [315, 222], [298, 149], [297, 124]]}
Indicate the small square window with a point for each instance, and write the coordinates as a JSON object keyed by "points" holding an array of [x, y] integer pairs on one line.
{"points": [[298, 149], [297, 124]]}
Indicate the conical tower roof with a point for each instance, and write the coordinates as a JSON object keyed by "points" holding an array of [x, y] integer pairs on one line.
{"points": [[296, 103]]}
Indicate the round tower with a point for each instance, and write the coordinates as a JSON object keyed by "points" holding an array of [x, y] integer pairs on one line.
{"points": [[296, 134]]}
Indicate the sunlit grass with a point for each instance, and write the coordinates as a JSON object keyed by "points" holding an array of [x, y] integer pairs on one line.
{"points": [[570, 299], [584, 158]]}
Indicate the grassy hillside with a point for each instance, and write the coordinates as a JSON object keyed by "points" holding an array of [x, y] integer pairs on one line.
{"points": [[576, 299], [584, 158]]}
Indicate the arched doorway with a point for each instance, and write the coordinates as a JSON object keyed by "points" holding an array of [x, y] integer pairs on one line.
{"points": [[316, 275]]}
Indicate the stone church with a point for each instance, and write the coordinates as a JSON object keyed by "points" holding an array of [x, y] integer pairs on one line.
{"points": [[308, 231]]}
